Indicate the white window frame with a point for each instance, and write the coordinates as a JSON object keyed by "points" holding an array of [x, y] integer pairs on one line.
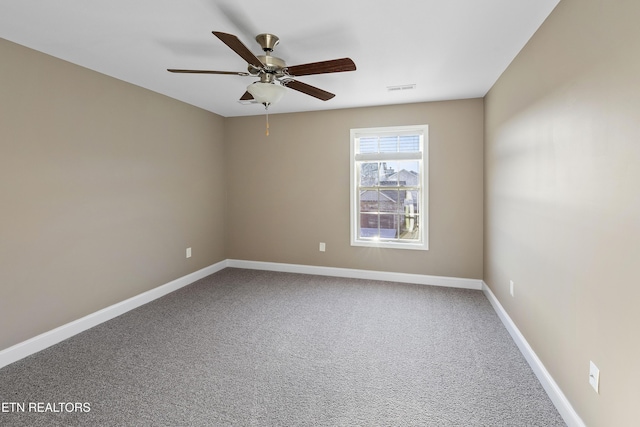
{"points": [[356, 158]]}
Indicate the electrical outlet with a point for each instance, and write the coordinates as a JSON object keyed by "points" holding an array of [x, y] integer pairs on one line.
{"points": [[323, 247], [188, 252], [511, 286], [594, 377]]}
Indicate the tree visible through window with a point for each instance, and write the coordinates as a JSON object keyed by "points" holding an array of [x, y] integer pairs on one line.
{"points": [[388, 183]]}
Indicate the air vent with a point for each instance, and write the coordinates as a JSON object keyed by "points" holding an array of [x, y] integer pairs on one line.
{"points": [[400, 88]]}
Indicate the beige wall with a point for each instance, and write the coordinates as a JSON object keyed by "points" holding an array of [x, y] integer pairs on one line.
{"points": [[562, 201], [290, 191], [102, 187]]}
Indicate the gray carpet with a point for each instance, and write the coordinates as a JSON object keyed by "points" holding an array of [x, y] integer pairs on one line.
{"points": [[255, 348]]}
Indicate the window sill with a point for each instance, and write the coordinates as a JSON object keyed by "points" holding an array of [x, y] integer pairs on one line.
{"points": [[390, 245]]}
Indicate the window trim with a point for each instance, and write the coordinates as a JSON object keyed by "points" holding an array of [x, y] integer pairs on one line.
{"points": [[423, 130]]}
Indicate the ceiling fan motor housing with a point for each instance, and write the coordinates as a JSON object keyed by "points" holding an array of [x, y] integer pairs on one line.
{"points": [[272, 65]]}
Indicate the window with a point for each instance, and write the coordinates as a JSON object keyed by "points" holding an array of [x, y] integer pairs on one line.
{"points": [[389, 187]]}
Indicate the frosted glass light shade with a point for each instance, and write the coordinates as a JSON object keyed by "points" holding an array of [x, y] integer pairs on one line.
{"points": [[268, 93]]}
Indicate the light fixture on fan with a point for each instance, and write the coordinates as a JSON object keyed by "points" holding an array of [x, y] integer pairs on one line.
{"points": [[266, 93]]}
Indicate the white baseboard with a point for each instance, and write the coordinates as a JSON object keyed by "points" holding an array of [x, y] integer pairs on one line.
{"points": [[569, 415], [420, 279], [47, 339]]}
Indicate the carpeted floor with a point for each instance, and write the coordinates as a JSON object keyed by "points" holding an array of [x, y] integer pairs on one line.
{"points": [[256, 348]]}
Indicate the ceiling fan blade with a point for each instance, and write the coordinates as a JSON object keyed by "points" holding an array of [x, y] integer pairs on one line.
{"points": [[308, 89], [235, 73], [322, 67], [236, 45], [246, 97]]}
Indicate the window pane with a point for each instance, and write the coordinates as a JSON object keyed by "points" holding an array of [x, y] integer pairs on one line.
{"points": [[388, 174], [416, 201], [409, 225], [389, 201], [369, 226], [388, 144], [405, 200], [368, 144], [388, 226], [369, 201], [408, 173], [409, 143], [369, 174], [406, 233]]}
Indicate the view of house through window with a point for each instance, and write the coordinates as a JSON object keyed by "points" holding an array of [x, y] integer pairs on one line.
{"points": [[388, 187]]}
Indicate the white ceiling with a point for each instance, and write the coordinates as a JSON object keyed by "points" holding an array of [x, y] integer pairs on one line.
{"points": [[450, 49]]}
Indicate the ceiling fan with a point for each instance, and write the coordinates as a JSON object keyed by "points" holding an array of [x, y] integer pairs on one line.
{"points": [[271, 69]]}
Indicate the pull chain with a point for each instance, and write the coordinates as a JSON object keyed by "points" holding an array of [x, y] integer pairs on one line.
{"points": [[266, 109]]}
